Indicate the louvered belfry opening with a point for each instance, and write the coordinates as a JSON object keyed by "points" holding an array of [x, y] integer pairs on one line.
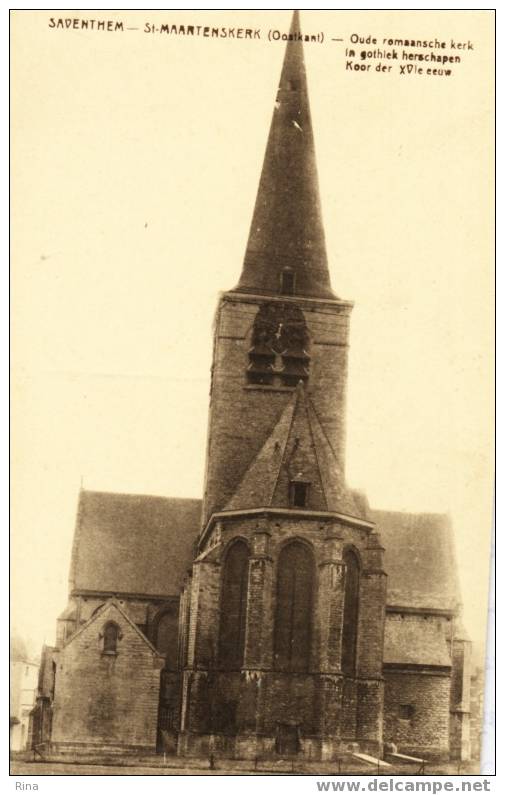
{"points": [[293, 615], [351, 613], [280, 342], [233, 607]]}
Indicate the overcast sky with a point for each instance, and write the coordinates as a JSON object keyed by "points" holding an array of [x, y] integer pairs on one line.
{"points": [[136, 159]]}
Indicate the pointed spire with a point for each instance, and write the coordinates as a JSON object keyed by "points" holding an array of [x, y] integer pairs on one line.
{"points": [[287, 228]]}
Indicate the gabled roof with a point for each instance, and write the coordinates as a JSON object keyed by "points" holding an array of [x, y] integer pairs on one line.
{"points": [[133, 544], [296, 450], [419, 559], [136, 544], [97, 616]]}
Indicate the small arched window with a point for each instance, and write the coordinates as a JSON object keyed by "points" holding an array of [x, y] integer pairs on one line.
{"points": [[293, 615], [234, 606], [111, 635], [351, 613]]}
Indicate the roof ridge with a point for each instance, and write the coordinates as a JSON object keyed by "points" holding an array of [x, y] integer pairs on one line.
{"points": [[400, 512], [94, 616], [138, 494], [312, 406], [290, 406], [76, 541], [294, 403], [314, 446]]}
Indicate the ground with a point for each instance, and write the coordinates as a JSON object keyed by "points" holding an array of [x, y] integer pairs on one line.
{"points": [[174, 767]]}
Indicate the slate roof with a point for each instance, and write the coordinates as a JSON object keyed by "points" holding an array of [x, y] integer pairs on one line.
{"points": [[287, 226], [137, 544], [415, 642], [419, 559], [296, 450], [133, 544]]}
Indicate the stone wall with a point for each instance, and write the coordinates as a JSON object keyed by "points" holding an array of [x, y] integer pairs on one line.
{"points": [[416, 712], [476, 712], [241, 415], [143, 611], [258, 705], [103, 699], [460, 699]]}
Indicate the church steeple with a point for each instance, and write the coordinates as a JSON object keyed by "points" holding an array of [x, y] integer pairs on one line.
{"points": [[286, 252], [281, 324]]}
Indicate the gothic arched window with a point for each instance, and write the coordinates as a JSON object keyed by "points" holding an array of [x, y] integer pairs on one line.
{"points": [[111, 635], [234, 606], [167, 637], [351, 609], [293, 616]]}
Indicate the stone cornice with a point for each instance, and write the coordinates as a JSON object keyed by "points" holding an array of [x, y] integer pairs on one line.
{"points": [[422, 611], [292, 513]]}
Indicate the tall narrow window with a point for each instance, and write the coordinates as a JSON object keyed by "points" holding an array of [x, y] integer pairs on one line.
{"points": [[287, 281], [299, 493], [110, 638], [234, 607], [167, 637], [351, 610], [293, 617]]}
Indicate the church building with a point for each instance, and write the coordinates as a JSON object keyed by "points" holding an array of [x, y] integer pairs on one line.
{"points": [[280, 615]]}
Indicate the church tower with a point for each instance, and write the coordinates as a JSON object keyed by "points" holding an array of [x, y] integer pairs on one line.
{"points": [[282, 323], [282, 616]]}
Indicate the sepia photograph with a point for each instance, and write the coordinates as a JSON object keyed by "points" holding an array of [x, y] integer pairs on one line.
{"points": [[252, 392]]}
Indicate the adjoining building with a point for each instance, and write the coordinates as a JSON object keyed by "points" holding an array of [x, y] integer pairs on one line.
{"points": [[23, 673], [280, 615]]}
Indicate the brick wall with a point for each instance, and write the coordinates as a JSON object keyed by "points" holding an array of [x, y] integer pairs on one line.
{"points": [[426, 731], [263, 700], [370, 715], [460, 699], [144, 612], [242, 416], [110, 700], [476, 712]]}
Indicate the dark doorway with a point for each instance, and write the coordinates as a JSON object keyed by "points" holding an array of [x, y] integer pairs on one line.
{"points": [[287, 741]]}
